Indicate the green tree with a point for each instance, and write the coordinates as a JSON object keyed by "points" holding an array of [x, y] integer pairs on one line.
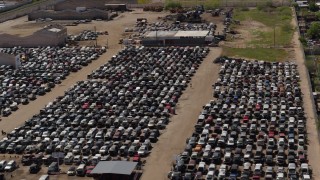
{"points": [[303, 41], [318, 15], [172, 5], [314, 31], [313, 7]]}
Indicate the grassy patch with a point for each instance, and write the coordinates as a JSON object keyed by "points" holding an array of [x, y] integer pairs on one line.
{"points": [[276, 20], [315, 78], [144, 1], [208, 4], [265, 54]]}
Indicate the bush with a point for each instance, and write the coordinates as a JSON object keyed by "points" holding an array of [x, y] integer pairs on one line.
{"points": [[173, 5], [265, 6], [317, 15], [144, 1], [286, 28], [295, 5], [303, 41], [211, 5], [313, 7], [244, 9], [314, 31]]}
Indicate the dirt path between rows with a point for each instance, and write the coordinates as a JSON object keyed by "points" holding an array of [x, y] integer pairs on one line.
{"points": [[313, 141], [172, 141]]}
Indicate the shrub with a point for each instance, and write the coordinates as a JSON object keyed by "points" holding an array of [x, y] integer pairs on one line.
{"points": [[303, 41], [295, 5], [211, 5], [173, 5], [314, 31], [313, 7], [244, 9], [286, 28]]}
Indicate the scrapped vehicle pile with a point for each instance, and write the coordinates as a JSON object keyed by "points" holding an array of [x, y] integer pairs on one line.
{"points": [[141, 28], [254, 129], [118, 115], [165, 26], [86, 35], [41, 69]]}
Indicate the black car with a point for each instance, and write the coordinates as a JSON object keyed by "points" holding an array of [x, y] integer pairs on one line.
{"points": [[34, 168], [19, 149]]}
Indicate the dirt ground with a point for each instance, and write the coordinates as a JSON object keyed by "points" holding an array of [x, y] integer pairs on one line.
{"points": [[313, 138]]}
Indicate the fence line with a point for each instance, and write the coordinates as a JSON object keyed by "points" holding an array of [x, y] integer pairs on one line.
{"points": [[222, 3], [315, 114]]}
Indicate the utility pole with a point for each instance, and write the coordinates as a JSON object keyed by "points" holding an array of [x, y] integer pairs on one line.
{"points": [[95, 31], [274, 37]]}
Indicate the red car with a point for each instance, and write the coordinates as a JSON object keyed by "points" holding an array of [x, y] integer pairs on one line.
{"points": [[245, 119], [258, 107], [85, 106], [88, 170], [209, 120], [271, 134]]}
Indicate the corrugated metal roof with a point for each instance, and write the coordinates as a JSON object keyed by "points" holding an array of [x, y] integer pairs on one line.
{"points": [[160, 33], [191, 33], [114, 167], [152, 34]]}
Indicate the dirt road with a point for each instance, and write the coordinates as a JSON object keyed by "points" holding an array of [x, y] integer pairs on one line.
{"points": [[313, 141], [172, 141]]}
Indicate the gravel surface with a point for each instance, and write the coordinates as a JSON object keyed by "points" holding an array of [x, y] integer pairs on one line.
{"points": [[313, 138]]}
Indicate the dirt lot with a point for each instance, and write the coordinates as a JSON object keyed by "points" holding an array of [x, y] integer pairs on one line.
{"points": [[172, 141]]}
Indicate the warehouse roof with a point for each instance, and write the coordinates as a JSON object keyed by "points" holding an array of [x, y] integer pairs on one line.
{"points": [[192, 33], [114, 167], [160, 33], [152, 34]]}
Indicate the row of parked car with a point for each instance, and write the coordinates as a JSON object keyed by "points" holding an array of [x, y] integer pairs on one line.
{"points": [[86, 35], [255, 128], [8, 166], [41, 68], [119, 115], [143, 27]]}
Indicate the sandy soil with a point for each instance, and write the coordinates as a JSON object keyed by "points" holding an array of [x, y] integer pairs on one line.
{"points": [[172, 141], [313, 138]]}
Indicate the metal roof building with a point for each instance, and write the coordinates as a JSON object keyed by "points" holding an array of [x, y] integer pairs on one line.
{"points": [[114, 170], [176, 38]]}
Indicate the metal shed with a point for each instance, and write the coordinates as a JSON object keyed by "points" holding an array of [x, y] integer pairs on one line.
{"points": [[176, 38], [114, 170]]}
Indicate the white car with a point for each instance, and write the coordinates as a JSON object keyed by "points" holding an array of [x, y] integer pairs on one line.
{"points": [[143, 150], [210, 175], [11, 166], [230, 142]]}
